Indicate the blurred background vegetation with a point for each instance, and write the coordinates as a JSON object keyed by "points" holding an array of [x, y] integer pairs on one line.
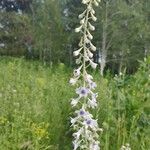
{"points": [[44, 30]]}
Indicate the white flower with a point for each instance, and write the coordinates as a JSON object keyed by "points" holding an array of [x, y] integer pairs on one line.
{"points": [[93, 17], [82, 15], [90, 35], [77, 72], [77, 52], [96, 3], [82, 113], [81, 42], [92, 11], [91, 27], [74, 102], [92, 104], [92, 85], [89, 7], [78, 29], [73, 81], [85, 1], [86, 40], [82, 21], [86, 127], [88, 78], [91, 123], [78, 61], [90, 54], [82, 91], [76, 144], [73, 121], [94, 96], [93, 48], [77, 134], [93, 65], [94, 146]]}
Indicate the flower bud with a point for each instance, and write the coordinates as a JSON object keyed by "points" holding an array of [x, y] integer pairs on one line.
{"points": [[85, 1], [77, 52], [93, 17], [77, 72], [93, 48], [82, 15], [73, 81], [92, 11], [78, 61], [96, 3], [81, 42], [90, 54], [90, 35], [91, 27], [78, 29], [82, 21], [93, 65], [86, 40], [89, 7]]}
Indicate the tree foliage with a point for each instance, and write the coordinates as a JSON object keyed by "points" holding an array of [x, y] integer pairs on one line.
{"points": [[122, 34]]}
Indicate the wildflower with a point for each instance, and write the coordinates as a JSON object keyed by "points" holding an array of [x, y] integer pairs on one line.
{"points": [[82, 91], [77, 134], [74, 120], [74, 102], [78, 29], [77, 52], [93, 17], [78, 61], [73, 81], [92, 85], [88, 78], [92, 103], [93, 48], [91, 27], [85, 1], [93, 65], [94, 146], [96, 3], [76, 144], [82, 15], [77, 72], [90, 35], [86, 127], [91, 123], [82, 21], [83, 113], [86, 40], [90, 54]]}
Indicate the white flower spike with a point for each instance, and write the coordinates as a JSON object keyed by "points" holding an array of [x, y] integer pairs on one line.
{"points": [[83, 123]]}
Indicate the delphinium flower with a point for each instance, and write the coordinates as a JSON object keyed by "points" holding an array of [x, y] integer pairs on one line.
{"points": [[86, 129]]}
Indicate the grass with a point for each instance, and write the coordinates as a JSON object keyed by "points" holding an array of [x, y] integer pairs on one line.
{"points": [[35, 107]]}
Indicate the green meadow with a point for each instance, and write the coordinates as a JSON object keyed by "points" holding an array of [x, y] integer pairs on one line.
{"points": [[35, 107]]}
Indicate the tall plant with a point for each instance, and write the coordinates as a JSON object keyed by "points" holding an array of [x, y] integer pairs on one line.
{"points": [[85, 126]]}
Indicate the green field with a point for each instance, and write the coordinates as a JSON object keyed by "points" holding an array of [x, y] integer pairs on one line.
{"points": [[35, 107]]}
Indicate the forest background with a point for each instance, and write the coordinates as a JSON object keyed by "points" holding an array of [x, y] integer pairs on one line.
{"points": [[44, 30]]}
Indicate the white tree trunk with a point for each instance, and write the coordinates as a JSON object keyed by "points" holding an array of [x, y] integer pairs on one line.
{"points": [[104, 39]]}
